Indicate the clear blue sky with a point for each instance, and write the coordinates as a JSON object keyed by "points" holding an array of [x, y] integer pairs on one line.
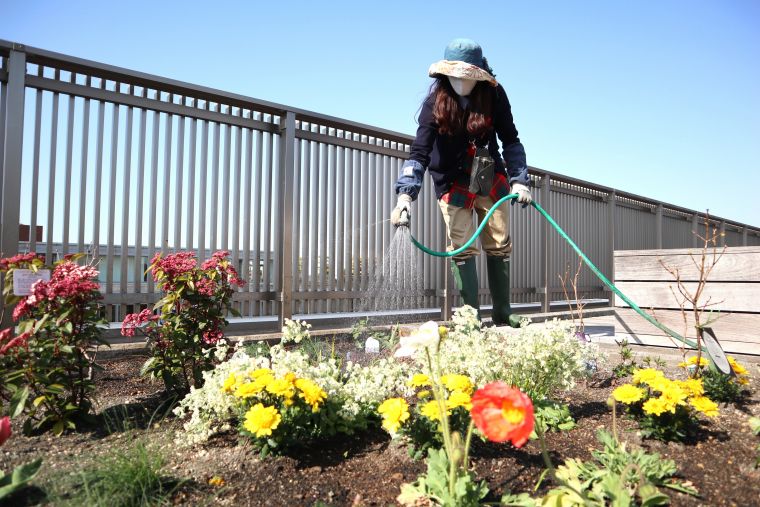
{"points": [[658, 98]]}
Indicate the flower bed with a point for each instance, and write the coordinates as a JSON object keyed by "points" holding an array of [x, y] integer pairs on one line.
{"points": [[461, 415]]}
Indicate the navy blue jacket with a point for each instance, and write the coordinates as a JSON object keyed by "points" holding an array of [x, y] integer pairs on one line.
{"points": [[444, 155]]}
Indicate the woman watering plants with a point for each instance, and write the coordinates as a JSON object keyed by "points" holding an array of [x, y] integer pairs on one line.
{"points": [[459, 122]]}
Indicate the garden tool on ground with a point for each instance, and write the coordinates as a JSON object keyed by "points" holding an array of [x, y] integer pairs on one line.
{"points": [[710, 344]]}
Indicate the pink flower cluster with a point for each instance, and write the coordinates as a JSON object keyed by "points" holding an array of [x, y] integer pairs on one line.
{"points": [[135, 320], [173, 265], [69, 280], [212, 336], [18, 341], [14, 261], [219, 261]]}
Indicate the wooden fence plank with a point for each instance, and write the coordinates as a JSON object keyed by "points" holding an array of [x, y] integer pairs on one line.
{"points": [[724, 296], [740, 327], [665, 341], [736, 264]]}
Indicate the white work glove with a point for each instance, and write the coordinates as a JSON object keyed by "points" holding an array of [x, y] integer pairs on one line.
{"points": [[523, 194], [398, 217]]}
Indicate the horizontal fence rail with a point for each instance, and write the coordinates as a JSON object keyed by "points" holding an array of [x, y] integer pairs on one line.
{"points": [[122, 165]]}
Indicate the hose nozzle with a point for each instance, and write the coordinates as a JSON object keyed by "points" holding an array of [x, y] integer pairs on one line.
{"points": [[403, 219]]}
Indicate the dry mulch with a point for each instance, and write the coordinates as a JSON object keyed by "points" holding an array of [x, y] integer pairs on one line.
{"points": [[368, 469]]}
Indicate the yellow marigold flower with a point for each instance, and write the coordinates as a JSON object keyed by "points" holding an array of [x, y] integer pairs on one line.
{"points": [[247, 390], [693, 360], [230, 383], [311, 393], [654, 406], [281, 387], [216, 481], [628, 394], [646, 375], [742, 380], [660, 384], [674, 396], [260, 372], [291, 377], [738, 369], [431, 410], [459, 399], [419, 380], [705, 405], [457, 383], [424, 394], [261, 420], [395, 412], [263, 381], [692, 386]]}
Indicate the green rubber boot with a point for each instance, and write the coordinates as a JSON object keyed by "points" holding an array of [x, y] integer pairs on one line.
{"points": [[498, 283], [466, 279]]}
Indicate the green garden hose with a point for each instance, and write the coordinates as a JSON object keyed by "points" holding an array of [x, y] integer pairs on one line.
{"points": [[590, 264]]}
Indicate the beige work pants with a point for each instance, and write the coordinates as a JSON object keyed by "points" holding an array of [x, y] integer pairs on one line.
{"points": [[460, 227]]}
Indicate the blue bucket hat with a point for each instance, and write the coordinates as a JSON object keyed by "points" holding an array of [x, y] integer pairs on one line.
{"points": [[463, 58]]}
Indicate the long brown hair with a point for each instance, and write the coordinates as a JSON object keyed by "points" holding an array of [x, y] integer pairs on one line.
{"points": [[452, 119]]}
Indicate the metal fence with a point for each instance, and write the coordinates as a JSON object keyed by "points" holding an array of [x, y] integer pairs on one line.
{"points": [[108, 160]]}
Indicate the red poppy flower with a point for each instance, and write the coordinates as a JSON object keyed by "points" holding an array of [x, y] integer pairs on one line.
{"points": [[5, 429], [503, 413]]}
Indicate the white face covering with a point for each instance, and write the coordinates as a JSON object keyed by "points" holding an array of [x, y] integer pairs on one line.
{"points": [[462, 87]]}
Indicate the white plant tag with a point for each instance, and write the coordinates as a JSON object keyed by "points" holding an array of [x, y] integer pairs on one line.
{"points": [[371, 346], [23, 279]]}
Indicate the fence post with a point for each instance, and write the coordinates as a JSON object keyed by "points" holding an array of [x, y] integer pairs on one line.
{"points": [[744, 236], [658, 227], [694, 227], [546, 189], [448, 292], [285, 214], [722, 231], [13, 147], [611, 210]]}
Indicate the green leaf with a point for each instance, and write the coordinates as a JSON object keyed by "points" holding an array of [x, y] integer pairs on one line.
{"points": [[38, 400], [58, 428], [18, 478], [18, 402]]}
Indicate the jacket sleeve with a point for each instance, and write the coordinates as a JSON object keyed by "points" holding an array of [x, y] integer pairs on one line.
{"points": [[512, 149], [413, 170]]}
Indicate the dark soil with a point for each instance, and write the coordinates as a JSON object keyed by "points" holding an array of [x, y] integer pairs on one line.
{"points": [[369, 469]]}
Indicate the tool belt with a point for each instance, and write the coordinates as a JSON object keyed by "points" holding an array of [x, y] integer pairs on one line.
{"points": [[481, 172]]}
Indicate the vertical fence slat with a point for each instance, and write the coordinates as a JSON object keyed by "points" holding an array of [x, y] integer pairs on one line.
{"points": [[35, 170], [68, 169], [247, 190], [83, 170], [214, 188], [51, 178], [138, 268], [126, 178], [225, 225], [153, 206], [167, 146], [259, 193], [178, 182], [202, 193], [191, 174]]}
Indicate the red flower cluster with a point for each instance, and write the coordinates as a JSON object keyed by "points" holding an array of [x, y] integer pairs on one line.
{"points": [[16, 260], [18, 341], [503, 413], [68, 280], [134, 320]]}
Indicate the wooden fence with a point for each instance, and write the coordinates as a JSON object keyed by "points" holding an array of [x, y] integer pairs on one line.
{"points": [[732, 291]]}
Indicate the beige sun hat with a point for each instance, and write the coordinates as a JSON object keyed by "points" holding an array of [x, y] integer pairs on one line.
{"points": [[464, 59]]}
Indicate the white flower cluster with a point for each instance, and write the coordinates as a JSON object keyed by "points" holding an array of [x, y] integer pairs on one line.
{"points": [[295, 331], [542, 360], [366, 387], [361, 388], [209, 408]]}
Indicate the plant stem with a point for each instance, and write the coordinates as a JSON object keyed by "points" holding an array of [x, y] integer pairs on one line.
{"points": [[468, 439]]}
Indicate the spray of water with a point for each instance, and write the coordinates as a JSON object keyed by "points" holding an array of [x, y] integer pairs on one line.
{"points": [[398, 284]]}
